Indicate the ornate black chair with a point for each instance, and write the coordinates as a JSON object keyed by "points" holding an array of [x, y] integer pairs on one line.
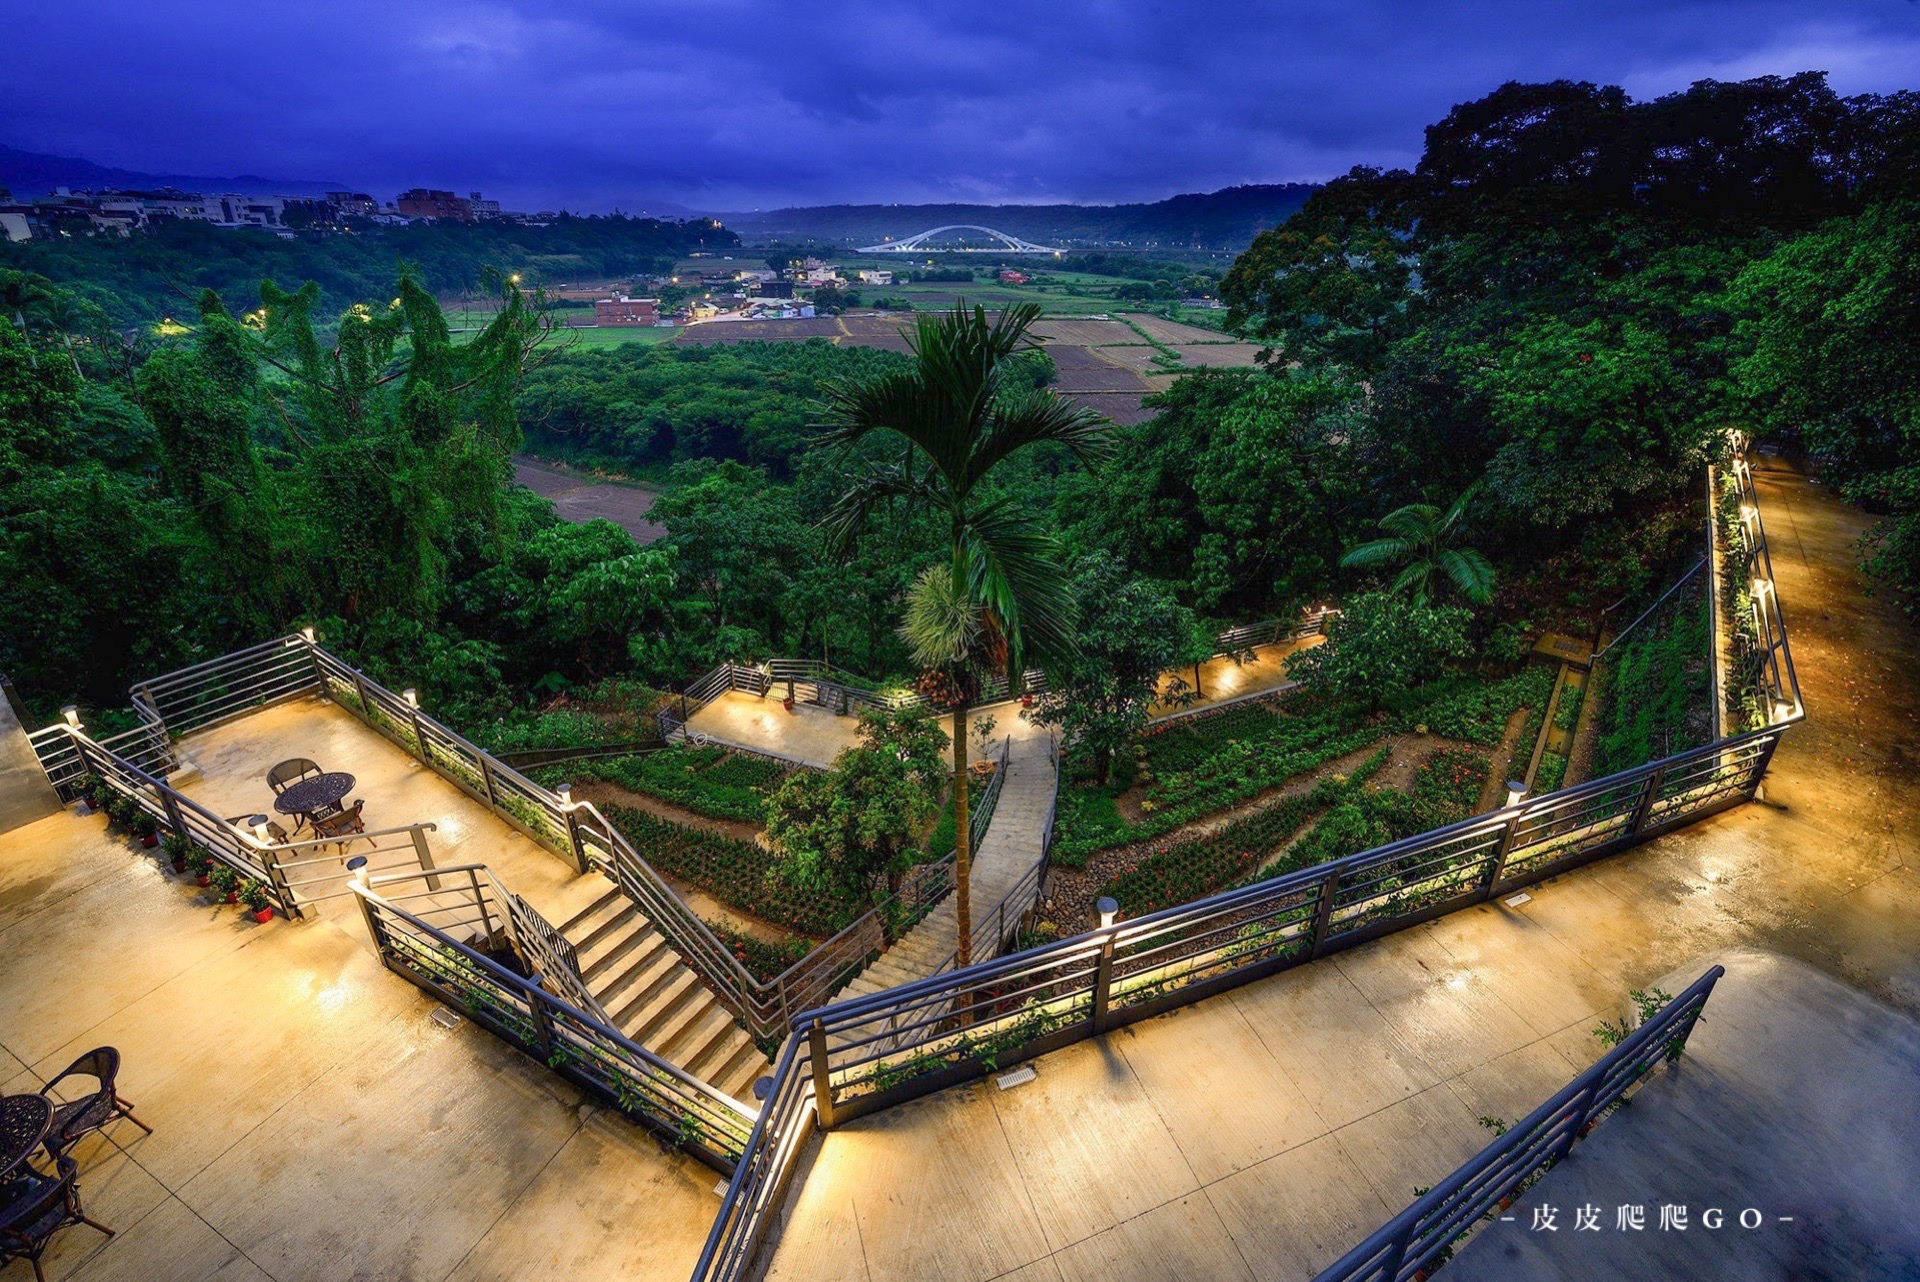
{"points": [[93, 1111], [291, 771], [34, 1207]]}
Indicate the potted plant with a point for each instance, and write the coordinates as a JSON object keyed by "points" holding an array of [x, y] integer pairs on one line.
{"points": [[200, 864], [254, 895], [147, 828], [176, 848], [226, 883], [93, 792], [120, 812]]}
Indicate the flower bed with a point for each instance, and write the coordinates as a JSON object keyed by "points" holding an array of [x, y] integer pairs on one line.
{"points": [[765, 961], [707, 781], [738, 873]]}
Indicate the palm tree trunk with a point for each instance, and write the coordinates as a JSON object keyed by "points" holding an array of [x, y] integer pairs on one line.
{"points": [[962, 843]]}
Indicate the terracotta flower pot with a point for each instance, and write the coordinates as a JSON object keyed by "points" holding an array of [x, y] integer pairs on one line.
{"points": [[151, 840], [201, 880], [263, 915], [233, 897], [179, 865]]}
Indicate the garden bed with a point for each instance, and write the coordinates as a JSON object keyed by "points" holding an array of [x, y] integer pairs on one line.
{"points": [[707, 781]]}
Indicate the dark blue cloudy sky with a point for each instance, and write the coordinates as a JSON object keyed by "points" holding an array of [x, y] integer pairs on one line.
{"points": [[736, 104]]}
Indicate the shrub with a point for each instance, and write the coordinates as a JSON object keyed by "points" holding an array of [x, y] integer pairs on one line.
{"points": [[707, 781]]}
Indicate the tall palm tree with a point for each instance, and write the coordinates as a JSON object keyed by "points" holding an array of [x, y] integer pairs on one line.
{"points": [[1426, 540], [1000, 598]]}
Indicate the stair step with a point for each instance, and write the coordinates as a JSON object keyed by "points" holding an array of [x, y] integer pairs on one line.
{"points": [[644, 975], [641, 1019], [689, 1046], [608, 905], [738, 1074], [690, 1008], [612, 949]]}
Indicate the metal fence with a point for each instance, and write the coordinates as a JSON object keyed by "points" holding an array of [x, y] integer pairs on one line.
{"points": [[1424, 1236], [1762, 658], [430, 942]]}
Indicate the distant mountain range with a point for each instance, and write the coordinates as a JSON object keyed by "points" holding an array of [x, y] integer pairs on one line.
{"points": [[1225, 220], [31, 173]]}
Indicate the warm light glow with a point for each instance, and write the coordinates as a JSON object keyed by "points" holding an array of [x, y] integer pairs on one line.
{"points": [[412, 697], [1760, 587], [72, 714], [1784, 711], [308, 634]]}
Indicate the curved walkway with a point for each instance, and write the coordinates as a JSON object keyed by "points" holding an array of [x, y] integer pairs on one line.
{"points": [[1264, 1132]]}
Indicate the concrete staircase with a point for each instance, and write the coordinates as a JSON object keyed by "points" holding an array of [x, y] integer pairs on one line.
{"points": [[654, 998]]}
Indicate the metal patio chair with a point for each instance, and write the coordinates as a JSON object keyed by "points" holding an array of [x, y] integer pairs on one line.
{"points": [[35, 1207], [94, 1110], [289, 772]]}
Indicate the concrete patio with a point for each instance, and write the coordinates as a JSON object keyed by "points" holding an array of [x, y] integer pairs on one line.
{"points": [[1223, 679], [310, 1121], [1263, 1133]]}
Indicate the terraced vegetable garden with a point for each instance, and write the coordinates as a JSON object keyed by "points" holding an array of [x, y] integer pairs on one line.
{"points": [[708, 781]]}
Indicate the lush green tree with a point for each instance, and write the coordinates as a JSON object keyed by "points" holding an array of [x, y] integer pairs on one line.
{"points": [[845, 829], [1425, 542], [997, 600], [1379, 646], [1131, 630]]}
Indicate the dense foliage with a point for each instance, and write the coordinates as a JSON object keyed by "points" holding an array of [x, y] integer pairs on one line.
{"points": [[139, 279]]}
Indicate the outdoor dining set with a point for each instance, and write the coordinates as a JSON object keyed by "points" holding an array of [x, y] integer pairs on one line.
{"points": [[315, 801], [40, 1198]]}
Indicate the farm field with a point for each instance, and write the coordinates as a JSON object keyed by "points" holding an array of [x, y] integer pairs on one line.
{"points": [[579, 497]]}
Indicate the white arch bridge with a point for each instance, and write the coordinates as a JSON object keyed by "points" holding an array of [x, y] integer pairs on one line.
{"points": [[1005, 244]]}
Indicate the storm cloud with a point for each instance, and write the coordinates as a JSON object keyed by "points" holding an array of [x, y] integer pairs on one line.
{"points": [[729, 104]]}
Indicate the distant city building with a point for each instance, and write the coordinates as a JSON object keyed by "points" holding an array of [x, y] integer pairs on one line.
{"points": [[621, 310], [352, 204], [427, 202], [822, 276], [482, 208]]}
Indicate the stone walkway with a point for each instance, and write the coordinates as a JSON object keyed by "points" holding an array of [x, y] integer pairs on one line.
{"points": [[1263, 1133], [1009, 851], [1782, 1056]]}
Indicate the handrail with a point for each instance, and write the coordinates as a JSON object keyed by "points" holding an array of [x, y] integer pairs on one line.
{"points": [[1424, 1234], [306, 842], [760, 1178], [729, 1121]]}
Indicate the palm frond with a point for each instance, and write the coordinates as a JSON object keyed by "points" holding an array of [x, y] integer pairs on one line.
{"points": [[1417, 581], [1470, 572], [1014, 571], [1415, 522], [1379, 552], [867, 494], [1039, 418]]}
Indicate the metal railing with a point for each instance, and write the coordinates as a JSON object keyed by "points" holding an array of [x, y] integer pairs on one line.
{"points": [[753, 1197], [1423, 1236], [1768, 664], [684, 1110], [315, 870], [1249, 636], [879, 1050]]}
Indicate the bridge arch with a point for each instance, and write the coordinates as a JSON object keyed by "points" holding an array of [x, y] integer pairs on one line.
{"points": [[1008, 244]]}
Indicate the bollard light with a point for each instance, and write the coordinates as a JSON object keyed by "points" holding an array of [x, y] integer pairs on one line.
{"points": [[412, 696], [1760, 588], [1516, 791], [308, 634], [1782, 710], [72, 713], [564, 791], [1108, 908], [357, 869], [259, 825]]}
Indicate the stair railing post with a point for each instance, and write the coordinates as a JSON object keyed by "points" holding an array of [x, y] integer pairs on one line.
{"points": [[542, 1020], [1643, 806], [1323, 913], [425, 855], [486, 778], [277, 877], [822, 1075], [1501, 849], [1102, 985]]}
